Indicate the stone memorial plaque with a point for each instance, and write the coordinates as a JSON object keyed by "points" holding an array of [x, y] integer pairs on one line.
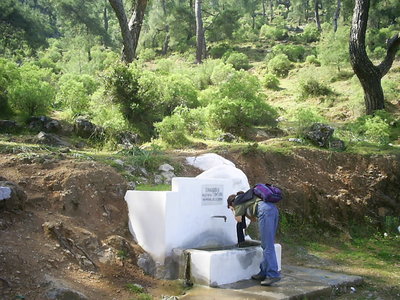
{"points": [[212, 194]]}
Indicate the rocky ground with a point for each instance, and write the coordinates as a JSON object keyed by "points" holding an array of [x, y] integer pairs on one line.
{"points": [[64, 231]]}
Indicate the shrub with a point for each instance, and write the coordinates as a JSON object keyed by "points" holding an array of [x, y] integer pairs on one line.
{"points": [[176, 90], [147, 54], [314, 88], [375, 129], [74, 93], [240, 105], [271, 81], [293, 52], [273, 32], [31, 94], [310, 33], [222, 73], [312, 60], [304, 118], [219, 50], [172, 130], [378, 53], [238, 61], [195, 120], [8, 73], [280, 65]]}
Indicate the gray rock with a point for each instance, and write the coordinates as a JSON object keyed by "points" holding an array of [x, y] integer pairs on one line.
{"points": [[86, 129], [8, 126], [5, 192], [59, 290], [158, 179], [44, 123], [320, 134], [147, 264], [131, 185], [51, 139], [128, 139], [168, 177], [165, 168], [226, 137], [337, 145]]}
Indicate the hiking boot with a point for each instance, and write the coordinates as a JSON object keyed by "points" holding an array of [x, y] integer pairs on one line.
{"points": [[258, 276], [270, 280]]}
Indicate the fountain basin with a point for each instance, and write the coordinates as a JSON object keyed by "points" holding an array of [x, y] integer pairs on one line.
{"points": [[216, 266]]}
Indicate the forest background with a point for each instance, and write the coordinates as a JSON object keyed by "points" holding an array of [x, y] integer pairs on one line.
{"points": [[203, 74]]}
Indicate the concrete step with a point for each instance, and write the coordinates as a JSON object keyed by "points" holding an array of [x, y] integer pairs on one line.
{"points": [[297, 283]]}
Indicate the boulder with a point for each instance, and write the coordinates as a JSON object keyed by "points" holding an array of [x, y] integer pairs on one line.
{"points": [[128, 139], [12, 197], [44, 123], [86, 129], [320, 134], [8, 126], [52, 140]]}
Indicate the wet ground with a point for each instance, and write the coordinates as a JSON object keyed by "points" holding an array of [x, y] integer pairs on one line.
{"points": [[297, 283]]}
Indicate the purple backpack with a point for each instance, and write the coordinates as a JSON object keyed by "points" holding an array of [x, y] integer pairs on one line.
{"points": [[268, 192]]}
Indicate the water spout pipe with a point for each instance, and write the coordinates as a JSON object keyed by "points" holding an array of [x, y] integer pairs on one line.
{"points": [[222, 217]]}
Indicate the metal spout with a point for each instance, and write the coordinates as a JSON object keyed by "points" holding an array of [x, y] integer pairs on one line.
{"points": [[222, 217]]}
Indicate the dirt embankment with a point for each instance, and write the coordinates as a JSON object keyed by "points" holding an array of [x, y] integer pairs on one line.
{"points": [[72, 233]]}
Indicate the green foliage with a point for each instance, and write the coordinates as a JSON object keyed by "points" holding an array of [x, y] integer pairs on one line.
{"points": [[149, 158], [240, 105], [333, 48], [31, 94], [293, 52], [147, 54], [304, 118], [274, 33], [270, 81], [238, 60], [280, 65], [172, 130], [313, 88], [374, 129], [8, 74], [74, 93], [312, 60], [218, 50], [222, 73], [310, 33], [223, 25], [195, 120], [135, 288]]}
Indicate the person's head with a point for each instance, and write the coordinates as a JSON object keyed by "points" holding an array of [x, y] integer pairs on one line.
{"points": [[230, 200]]}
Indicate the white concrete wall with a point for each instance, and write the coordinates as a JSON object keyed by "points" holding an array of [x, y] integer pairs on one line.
{"points": [[182, 218]]}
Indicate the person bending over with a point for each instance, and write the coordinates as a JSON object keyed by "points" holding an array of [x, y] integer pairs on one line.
{"points": [[267, 215]]}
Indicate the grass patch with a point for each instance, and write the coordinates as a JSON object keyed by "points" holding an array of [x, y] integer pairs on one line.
{"points": [[151, 187]]}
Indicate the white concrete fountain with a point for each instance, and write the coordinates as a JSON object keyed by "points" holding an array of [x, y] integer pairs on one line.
{"points": [[193, 219]]}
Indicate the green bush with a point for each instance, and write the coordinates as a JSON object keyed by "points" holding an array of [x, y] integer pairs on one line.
{"points": [[280, 65], [31, 94], [195, 120], [314, 88], [270, 81], [240, 105], [8, 74], [74, 93], [378, 53], [172, 130], [310, 33], [222, 73], [312, 60], [304, 118], [372, 128], [273, 33], [238, 61], [147, 54], [219, 50], [293, 52]]}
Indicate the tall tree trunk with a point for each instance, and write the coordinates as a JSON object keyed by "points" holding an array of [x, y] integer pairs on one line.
{"points": [[369, 75], [316, 12], [336, 15], [167, 35], [271, 10], [200, 54], [130, 31]]}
